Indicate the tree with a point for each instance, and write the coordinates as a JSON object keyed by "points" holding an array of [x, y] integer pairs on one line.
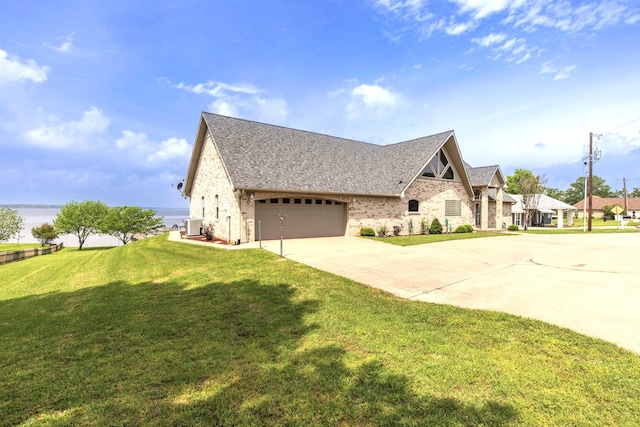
{"points": [[10, 224], [634, 193], [555, 193], [513, 181], [45, 233], [575, 192], [123, 222], [81, 219], [530, 191]]}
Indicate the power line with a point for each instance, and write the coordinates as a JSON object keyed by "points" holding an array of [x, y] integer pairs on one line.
{"points": [[621, 126]]}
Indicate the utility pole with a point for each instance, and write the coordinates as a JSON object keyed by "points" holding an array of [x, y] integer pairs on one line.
{"points": [[626, 199], [590, 180], [597, 157]]}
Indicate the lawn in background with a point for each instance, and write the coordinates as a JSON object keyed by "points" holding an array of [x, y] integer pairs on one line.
{"points": [[166, 333]]}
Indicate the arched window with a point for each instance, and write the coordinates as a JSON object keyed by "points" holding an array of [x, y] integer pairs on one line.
{"points": [[414, 205], [202, 206], [217, 208]]}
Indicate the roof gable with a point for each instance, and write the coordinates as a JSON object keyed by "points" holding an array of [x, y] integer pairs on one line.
{"points": [[484, 175], [260, 156]]}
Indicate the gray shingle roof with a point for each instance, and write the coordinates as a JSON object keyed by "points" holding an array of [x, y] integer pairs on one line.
{"points": [[481, 176], [263, 156]]}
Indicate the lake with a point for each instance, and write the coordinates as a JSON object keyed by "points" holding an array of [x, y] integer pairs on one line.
{"points": [[33, 217]]}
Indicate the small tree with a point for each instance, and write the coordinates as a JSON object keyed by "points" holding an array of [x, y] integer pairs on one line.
{"points": [[123, 222], [436, 227], [81, 219], [10, 224], [530, 192], [45, 234]]}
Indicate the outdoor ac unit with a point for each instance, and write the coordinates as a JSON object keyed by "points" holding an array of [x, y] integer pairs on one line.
{"points": [[193, 227]]}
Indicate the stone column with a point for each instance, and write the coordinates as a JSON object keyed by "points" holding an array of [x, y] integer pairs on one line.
{"points": [[484, 216], [570, 218], [499, 211], [560, 218]]}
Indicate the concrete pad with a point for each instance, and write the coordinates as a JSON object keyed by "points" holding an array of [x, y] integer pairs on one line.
{"points": [[587, 282]]}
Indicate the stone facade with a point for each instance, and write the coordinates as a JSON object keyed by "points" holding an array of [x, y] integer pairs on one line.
{"points": [[232, 212]]}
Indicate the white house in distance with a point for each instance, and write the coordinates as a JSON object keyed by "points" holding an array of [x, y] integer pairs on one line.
{"points": [[541, 215], [248, 178]]}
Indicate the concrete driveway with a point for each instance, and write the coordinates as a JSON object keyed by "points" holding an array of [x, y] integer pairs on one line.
{"points": [[586, 282]]}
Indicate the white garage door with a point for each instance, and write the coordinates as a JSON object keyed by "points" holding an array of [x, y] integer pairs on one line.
{"points": [[303, 217]]}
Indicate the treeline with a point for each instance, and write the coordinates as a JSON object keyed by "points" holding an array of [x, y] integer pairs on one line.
{"points": [[571, 195], [83, 219]]}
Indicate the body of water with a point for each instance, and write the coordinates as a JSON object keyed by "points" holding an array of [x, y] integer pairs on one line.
{"points": [[33, 217]]}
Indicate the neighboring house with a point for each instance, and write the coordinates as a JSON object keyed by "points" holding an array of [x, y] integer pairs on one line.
{"points": [[632, 205], [249, 179], [543, 212]]}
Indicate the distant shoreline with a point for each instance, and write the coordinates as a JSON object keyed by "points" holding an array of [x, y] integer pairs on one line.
{"points": [[37, 206]]}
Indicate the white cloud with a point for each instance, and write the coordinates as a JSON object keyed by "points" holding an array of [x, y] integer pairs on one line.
{"points": [[375, 96], [14, 70], [240, 100], [62, 135], [560, 73], [66, 43], [140, 147], [371, 99], [459, 28], [483, 8], [490, 39]]}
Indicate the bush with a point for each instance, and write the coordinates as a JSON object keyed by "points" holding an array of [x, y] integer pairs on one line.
{"points": [[383, 230], [461, 229], [45, 233], [436, 227], [469, 228], [424, 226], [513, 227], [367, 231]]}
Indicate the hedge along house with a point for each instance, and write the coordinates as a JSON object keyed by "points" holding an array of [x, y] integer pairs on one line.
{"points": [[248, 179]]}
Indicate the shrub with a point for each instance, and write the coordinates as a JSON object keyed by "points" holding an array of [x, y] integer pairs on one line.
{"points": [[383, 230], [436, 227], [461, 229], [513, 227], [469, 228], [45, 233], [367, 231], [424, 226]]}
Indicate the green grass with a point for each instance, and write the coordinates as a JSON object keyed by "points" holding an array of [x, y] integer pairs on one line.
{"points": [[576, 230], [165, 333], [421, 239]]}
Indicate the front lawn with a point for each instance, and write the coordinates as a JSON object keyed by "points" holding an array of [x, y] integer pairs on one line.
{"points": [[166, 333], [421, 239], [6, 247]]}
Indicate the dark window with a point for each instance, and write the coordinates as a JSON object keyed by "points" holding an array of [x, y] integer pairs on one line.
{"points": [[273, 201], [318, 202], [262, 201], [307, 201], [297, 201], [286, 200], [448, 174], [338, 203], [327, 202], [413, 206]]}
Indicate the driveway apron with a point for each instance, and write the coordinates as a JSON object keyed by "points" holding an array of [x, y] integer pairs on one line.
{"points": [[587, 282]]}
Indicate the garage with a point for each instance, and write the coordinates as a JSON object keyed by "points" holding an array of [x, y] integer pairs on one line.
{"points": [[303, 217]]}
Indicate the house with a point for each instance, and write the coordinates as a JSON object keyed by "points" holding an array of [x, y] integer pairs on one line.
{"points": [[542, 211], [255, 181], [632, 205]]}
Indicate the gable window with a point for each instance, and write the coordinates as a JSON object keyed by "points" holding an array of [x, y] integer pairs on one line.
{"points": [[439, 167], [413, 205], [452, 208]]}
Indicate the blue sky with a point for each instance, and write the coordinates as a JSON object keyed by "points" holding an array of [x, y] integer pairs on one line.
{"points": [[102, 100]]}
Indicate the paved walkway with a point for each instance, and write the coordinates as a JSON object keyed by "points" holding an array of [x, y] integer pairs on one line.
{"points": [[586, 282]]}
